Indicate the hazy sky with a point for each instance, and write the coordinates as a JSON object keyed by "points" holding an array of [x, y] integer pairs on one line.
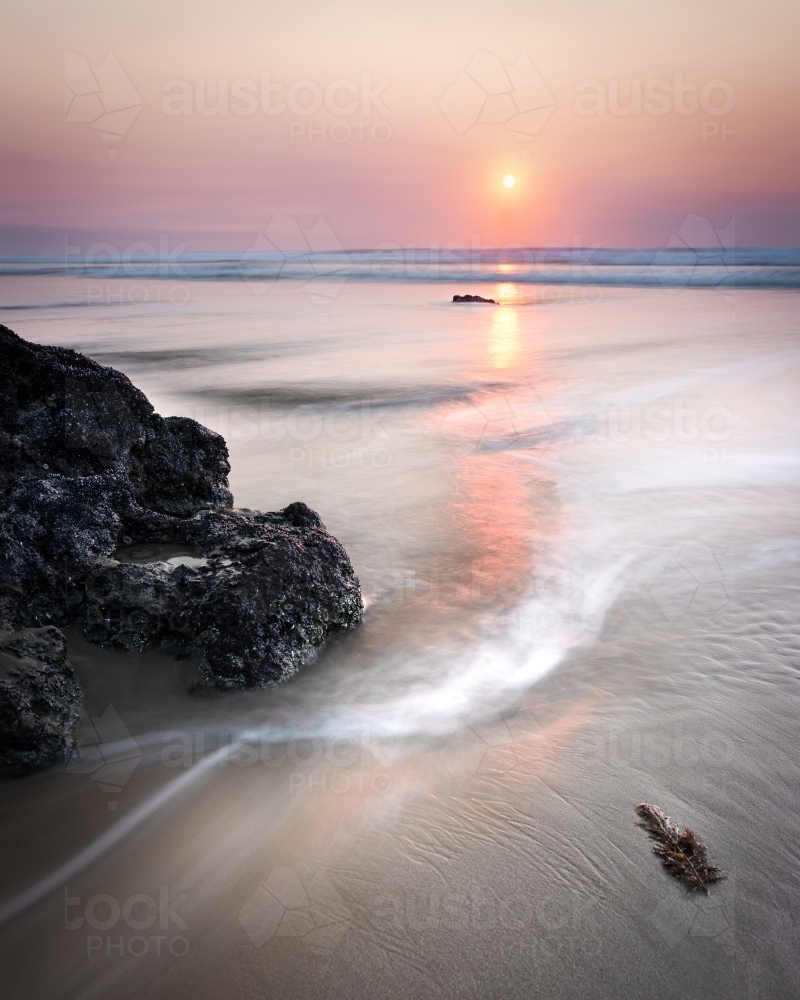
{"points": [[397, 122]]}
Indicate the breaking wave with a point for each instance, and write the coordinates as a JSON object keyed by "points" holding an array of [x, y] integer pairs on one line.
{"points": [[702, 267]]}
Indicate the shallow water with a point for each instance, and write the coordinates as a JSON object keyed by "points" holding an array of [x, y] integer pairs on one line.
{"points": [[574, 519]]}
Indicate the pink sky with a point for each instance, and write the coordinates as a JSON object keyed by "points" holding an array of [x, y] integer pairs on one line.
{"points": [[412, 166]]}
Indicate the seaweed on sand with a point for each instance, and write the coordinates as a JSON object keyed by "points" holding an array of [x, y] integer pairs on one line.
{"points": [[682, 852]]}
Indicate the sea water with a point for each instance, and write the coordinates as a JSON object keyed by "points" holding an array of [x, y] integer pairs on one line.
{"points": [[508, 479]]}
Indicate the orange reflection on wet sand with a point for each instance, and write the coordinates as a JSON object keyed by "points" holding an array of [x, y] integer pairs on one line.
{"points": [[504, 339], [499, 515]]}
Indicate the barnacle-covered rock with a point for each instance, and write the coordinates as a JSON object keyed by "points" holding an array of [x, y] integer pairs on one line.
{"points": [[256, 597], [88, 472], [64, 414], [39, 699]]}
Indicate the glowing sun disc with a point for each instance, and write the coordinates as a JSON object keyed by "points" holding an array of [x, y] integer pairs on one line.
{"points": [[509, 181]]}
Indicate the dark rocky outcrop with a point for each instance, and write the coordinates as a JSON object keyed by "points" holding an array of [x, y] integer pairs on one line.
{"points": [[64, 414], [261, 595], [473, 298], [88, 469], [39, 700]]}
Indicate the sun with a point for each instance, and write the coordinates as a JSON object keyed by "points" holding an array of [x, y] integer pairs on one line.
{"points": [[509, 181]]}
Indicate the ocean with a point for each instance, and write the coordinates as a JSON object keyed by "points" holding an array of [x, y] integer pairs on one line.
{"points": [[574, 516]]}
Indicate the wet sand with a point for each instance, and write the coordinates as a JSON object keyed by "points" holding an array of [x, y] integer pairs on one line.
{"points": [[563, 619], [501, 861]]}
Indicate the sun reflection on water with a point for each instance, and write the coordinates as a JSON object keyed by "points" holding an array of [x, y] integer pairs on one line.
{"points": [[504, 342], [507, 293]]}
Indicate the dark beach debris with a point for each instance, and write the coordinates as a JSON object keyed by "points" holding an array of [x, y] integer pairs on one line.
{"points": [[682, 852], [473, 298]]}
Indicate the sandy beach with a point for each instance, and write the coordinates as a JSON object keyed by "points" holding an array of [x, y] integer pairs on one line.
{"points": [[564, 617], [503, 860]]}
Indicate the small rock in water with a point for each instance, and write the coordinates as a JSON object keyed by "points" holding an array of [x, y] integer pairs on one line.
{"points": [[473, 298]]}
